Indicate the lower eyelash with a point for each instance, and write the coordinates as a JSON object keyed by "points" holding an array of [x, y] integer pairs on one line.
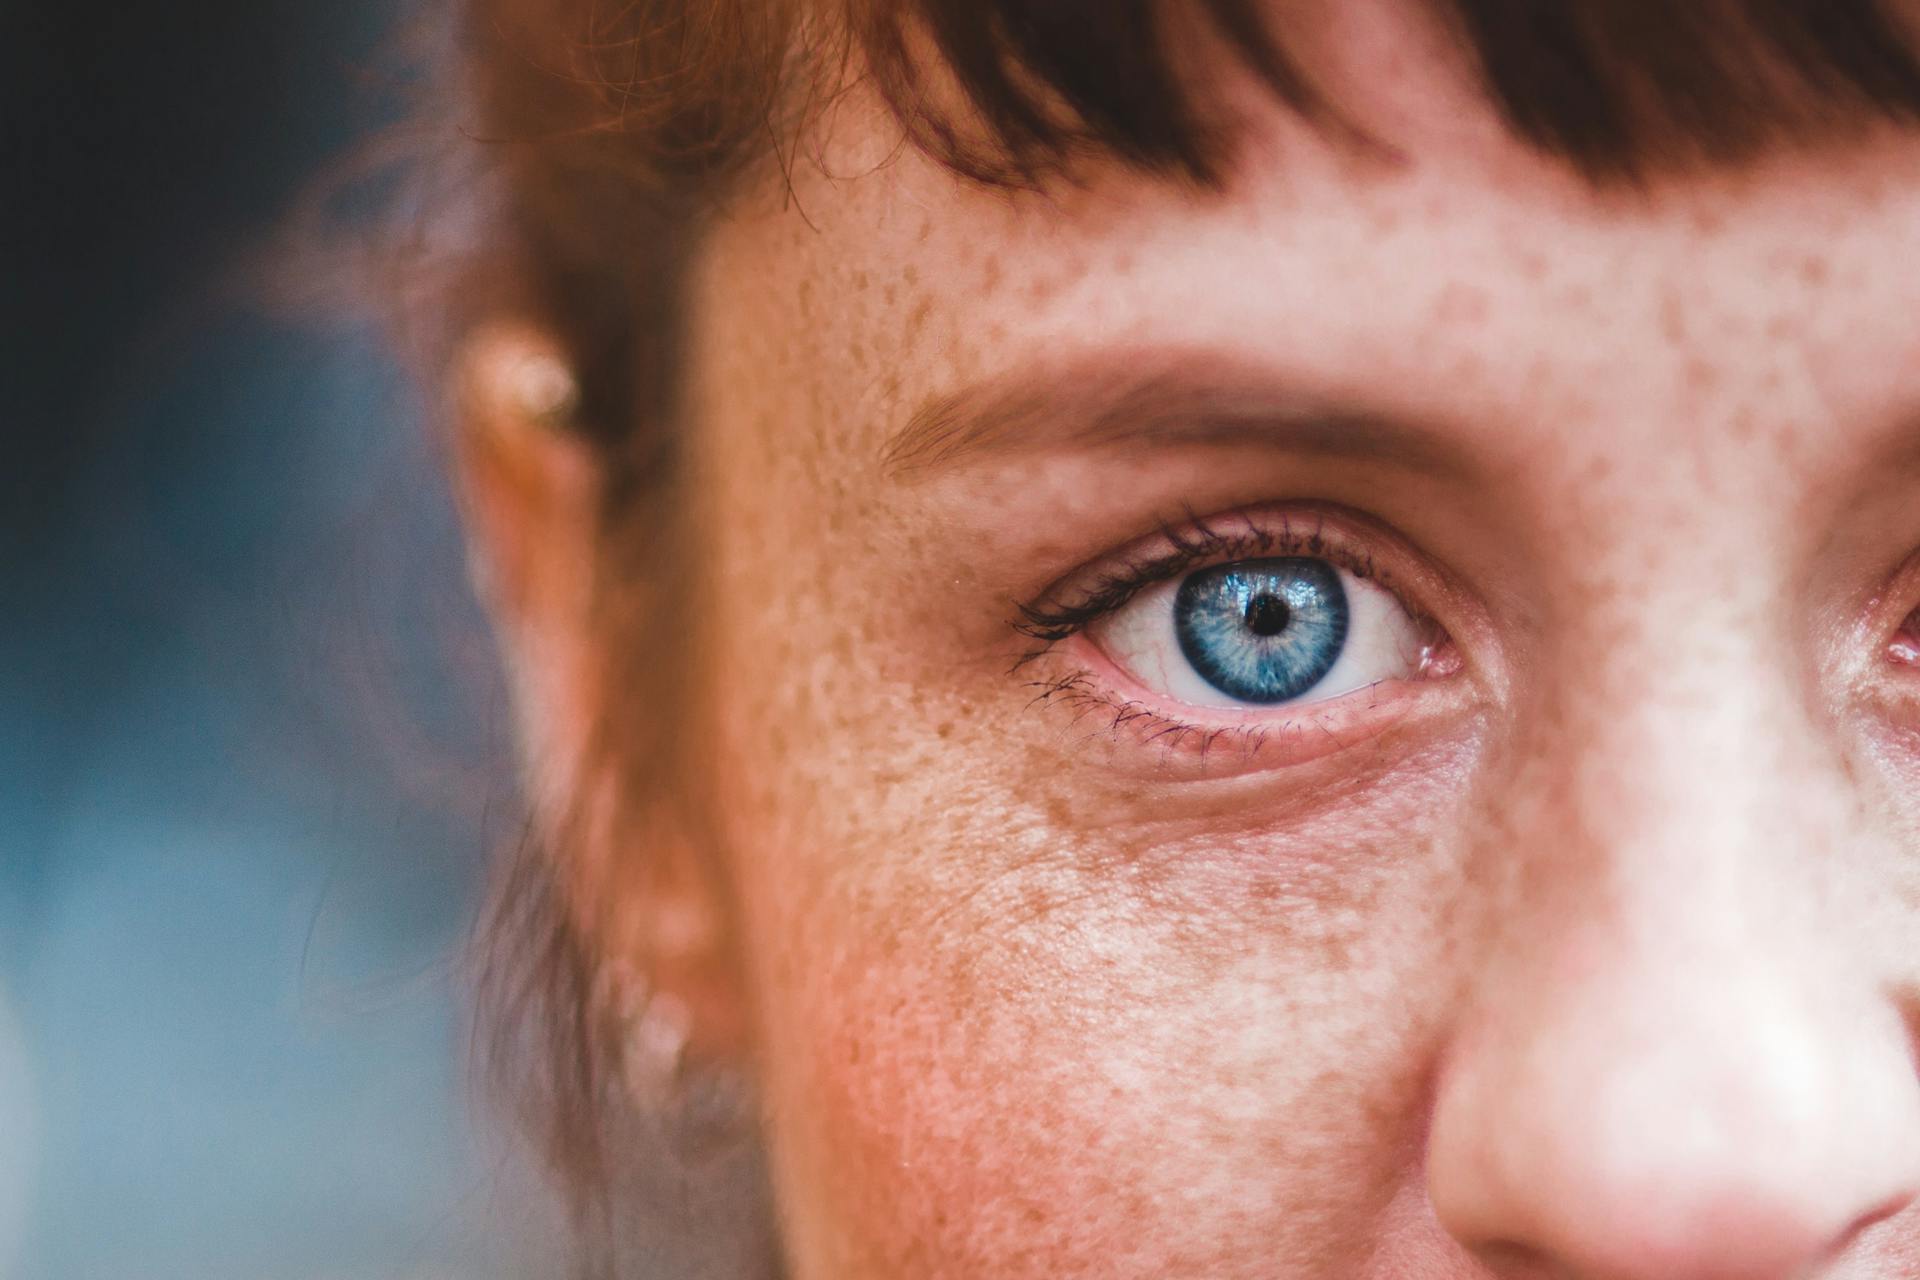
{"points": [[1081, 692]]}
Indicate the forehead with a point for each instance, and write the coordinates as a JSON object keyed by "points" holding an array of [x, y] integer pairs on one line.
{"points": [[881, 249]]}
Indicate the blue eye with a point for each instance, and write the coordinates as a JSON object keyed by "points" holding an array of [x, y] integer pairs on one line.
{"points": [[1263, 631], [1260, 633]]}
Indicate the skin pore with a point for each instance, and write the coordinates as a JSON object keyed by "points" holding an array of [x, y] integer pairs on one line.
{"points": [[1581, 948]]}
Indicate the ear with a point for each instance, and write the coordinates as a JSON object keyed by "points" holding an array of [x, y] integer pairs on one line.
{"points": [[641, 893], [528, 487]]}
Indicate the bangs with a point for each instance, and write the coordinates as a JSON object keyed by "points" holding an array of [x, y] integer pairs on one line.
{"points": [[1617, 89]]}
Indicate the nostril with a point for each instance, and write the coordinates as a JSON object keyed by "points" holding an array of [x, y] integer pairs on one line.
{"points": [[1890, 1208], [1513, 1261]]}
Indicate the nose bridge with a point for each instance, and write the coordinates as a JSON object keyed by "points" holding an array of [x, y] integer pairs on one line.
{"points": [[1682, 753], [1669, 1068]]}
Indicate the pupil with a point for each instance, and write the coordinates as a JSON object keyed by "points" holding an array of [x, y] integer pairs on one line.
{"points": [[1268, 616]]}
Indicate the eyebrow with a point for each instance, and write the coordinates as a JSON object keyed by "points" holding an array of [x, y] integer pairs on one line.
{"points": [[1159, 399]]}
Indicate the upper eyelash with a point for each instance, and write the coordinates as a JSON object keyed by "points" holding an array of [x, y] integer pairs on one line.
{"points": [[1049, 619]]}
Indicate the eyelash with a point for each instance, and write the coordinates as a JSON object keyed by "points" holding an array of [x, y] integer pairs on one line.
{"points": [[1050, 620], [1077, 691]]}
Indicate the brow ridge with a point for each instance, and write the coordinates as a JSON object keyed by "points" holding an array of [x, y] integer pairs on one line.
{"points": [[1123, 400]]}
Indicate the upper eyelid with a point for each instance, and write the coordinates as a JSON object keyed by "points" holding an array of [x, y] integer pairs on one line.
{"points": [[1068, 606]]}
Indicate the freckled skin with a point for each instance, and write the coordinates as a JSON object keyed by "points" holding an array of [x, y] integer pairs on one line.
{"points": [[1604, 972]]}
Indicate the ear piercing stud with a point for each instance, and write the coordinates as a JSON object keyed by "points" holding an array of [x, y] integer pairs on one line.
{"points": [[656, 1044], [652, 1029], [515, 375]]}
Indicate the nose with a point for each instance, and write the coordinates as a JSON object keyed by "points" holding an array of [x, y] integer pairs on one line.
{"points": [[1726, 1126], [1676, 1068]]}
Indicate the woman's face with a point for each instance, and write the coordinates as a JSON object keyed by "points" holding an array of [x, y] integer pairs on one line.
{"points": [[1357, 727]]}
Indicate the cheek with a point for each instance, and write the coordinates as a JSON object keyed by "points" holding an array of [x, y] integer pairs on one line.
{"points": [[1032, 1070], [994, 1111], [929, 1125]]}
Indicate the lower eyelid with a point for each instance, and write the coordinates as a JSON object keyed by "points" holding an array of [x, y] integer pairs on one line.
{"points": [[1211, 741]]}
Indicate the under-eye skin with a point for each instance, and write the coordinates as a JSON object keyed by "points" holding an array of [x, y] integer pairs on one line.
{"points": [[1274, 635]]}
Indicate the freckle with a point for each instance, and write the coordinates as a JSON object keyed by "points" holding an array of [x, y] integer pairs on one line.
{"points": [[926, 231], [1701, 376], [911, 275], [945, 729], [1059, 813], [889, 293], [860, 281], [1462, 304], [1468, 367], [1673, 319], [917, 318], [990, 278]]}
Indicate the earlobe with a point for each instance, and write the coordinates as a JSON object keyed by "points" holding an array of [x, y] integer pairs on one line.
{"points": [[667, 994], [671, 934]]}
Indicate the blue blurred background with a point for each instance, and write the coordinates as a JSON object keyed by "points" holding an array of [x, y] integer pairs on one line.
{"points": [[252, 742]]}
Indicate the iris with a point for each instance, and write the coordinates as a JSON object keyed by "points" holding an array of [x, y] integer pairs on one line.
{"points": [[1263, 631]]}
